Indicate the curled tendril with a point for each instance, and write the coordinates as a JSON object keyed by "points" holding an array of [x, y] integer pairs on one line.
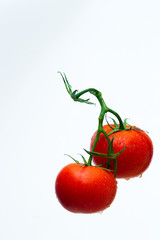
{"points": [[73, 94]]}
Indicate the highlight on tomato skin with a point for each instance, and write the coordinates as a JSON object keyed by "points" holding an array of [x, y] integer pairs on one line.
{"points": [[85, 189], [135, 159]]}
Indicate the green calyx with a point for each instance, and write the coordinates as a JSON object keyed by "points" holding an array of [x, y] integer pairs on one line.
{"points": [[85, 163], [117, 128], [120, 126]]}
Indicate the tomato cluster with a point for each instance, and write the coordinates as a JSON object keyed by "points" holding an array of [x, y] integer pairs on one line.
{"points": [[117, 150]]}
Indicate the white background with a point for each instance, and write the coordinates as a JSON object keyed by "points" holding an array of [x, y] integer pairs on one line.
{"points": [[113, 46]]}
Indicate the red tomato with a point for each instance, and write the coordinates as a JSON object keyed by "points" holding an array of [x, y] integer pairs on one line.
{"points": [[134, 160], [85, 189]]}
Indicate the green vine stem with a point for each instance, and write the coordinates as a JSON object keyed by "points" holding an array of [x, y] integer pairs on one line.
{"points": [[75, 95]]}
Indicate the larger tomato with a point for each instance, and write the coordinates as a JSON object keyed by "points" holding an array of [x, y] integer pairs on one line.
{"points": [[85, 189], [136, 157]]}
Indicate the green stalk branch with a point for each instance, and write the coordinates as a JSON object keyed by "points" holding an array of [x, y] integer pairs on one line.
{"points": [[75, 95]]}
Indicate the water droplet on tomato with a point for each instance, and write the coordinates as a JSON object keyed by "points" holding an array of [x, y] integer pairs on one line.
{"points": [[100, 212], [127, 179], [140, 175]]}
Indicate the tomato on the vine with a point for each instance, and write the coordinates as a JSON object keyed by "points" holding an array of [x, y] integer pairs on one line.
{"points": [[85, 189], [134, 160], [117, 150]]}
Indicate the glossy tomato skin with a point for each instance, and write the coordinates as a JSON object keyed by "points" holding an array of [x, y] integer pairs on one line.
{"points": [[85, 189], [134, 160]]}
